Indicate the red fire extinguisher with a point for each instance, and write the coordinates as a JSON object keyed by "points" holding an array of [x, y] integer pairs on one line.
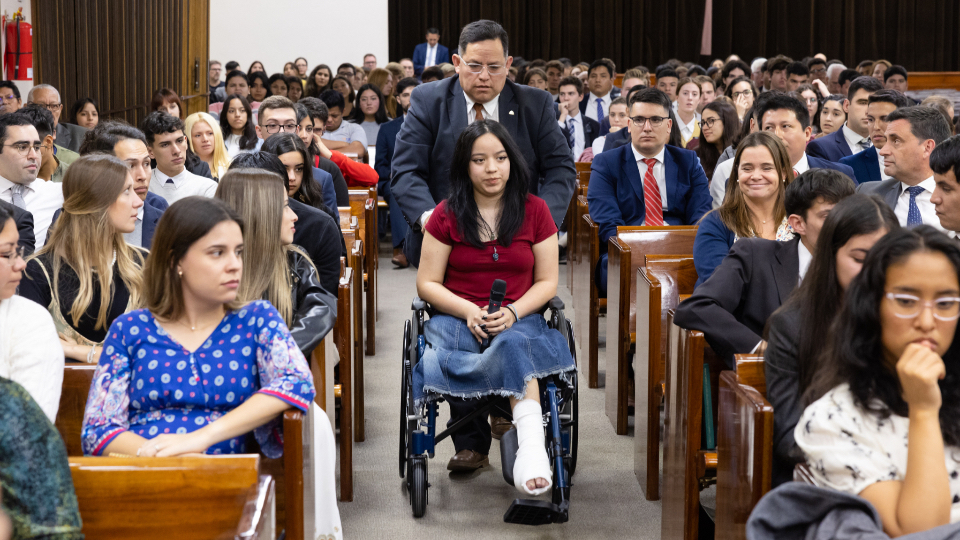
{"points": [[18, 58]]}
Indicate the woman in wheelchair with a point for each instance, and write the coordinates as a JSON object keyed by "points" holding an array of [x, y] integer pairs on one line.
{"points": [[491, 228]]}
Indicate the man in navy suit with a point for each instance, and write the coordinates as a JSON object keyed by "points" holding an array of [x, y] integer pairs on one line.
{"points": [[24, 221], [854, 136], [386, 143], [579, 130], [595, 105], [430, 53], [868, 165], [646, 182]]}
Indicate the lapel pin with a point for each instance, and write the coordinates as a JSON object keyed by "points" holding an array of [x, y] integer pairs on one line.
{"points": [[511, 113]]}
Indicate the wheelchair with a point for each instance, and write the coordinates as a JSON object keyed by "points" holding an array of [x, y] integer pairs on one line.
{"points": [[558, 400]]}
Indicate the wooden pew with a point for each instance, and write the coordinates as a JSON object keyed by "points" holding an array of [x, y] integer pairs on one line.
{"points": [[627, 251], [184, 498], [661, 282], [573, 220], [575, 254], [344, 338], [744, 446], [363, 205], [77, 379], [355, 259], [591, 306], [685, 464]]}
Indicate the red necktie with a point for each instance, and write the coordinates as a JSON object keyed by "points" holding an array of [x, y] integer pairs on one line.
{"points": [[795, 173], [651, 197]]}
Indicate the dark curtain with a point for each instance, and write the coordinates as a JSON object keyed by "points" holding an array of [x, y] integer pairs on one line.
{"points": [[921, 35]]}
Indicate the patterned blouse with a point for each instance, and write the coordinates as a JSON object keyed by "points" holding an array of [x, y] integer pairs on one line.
{"points": [[149, 384]]}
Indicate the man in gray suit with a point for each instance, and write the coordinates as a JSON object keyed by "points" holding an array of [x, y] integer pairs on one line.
{"points": [[439, 113], [912, 134], [68, 136]]}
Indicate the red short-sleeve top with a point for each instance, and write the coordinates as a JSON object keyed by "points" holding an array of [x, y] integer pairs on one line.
{"points": [[472, 271]]}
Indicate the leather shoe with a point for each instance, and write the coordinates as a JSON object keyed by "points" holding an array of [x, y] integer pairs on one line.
{"points": [[399, 259], [499, 426], [467, 461]]}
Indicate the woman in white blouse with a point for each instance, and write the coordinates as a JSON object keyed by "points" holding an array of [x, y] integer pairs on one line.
{"points": [[30, 352], [887, 427]]}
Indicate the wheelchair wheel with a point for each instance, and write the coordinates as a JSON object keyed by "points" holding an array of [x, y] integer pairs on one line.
{"points": [[418, 486], [404, 389], [570, 426]]}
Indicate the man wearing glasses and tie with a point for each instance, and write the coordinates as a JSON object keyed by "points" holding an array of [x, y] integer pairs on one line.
{"points": [[19, 163], [439, 112]]}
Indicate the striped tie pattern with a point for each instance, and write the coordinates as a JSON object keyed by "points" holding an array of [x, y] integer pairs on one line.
{"points": [[651, 197], [599, 111], [571, 137]]}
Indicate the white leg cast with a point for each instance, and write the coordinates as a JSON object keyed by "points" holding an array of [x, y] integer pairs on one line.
{"points": [[532, 461]]}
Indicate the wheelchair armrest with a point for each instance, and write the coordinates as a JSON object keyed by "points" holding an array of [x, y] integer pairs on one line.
{"points": [[555, 303], [418, 304]]}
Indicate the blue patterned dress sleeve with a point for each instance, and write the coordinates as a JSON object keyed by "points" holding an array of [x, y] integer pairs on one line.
{"points": [[108, 402]]}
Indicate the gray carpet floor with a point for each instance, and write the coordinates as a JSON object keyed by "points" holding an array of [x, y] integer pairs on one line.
{"points": [[606, 500]]}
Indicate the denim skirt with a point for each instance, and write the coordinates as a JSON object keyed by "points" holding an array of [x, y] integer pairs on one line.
{"points": [[453, 365]]}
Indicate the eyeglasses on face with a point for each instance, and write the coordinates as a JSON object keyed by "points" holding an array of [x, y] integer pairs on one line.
{"points": [[15, 253], [744, 93], [908, 306], [24, 147], [493, 69], [286, 128], [709, 122], [655, 121]]}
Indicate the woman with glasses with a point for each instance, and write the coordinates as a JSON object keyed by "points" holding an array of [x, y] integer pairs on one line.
{"points": [[369, 111], [884, 422], [718, 127], [742, 92], [236, 120], [808, 96]]}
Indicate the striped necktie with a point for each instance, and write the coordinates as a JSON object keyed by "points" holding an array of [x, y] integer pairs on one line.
{"points": [[651, 196]]}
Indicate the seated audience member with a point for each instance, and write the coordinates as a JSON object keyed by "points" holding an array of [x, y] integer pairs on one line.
{"points": [[54, 161], [386, 143], [743, 93], [282, 272], [368, 112], [708, 91], [168, 101], [595, 104], [667, 81], [854, 136], [277, 114], [449, 71], [429, 53], [895, 78], [797, 74], [942, 104], [578, 130], [278, 84], [646, 182], [808, 96], [9, 97], [167, 144], [536, 77], [206, 141], [339, 135], [847, 77], [85, 113], [100, 206], [886, 405], [257, 66], [752, 205], [344, 87], [29, 351], [347, 71], [912, 134], [868, 165], [554, 72], [945, 163], [616, 121], [733, 70], [236, 83], [879, 68], [719, 126], [431, 74], [408, 71], [68, 135], [191, 283], [24, 222], [37, 488], [396, 73], [318, 81], [384, 80], [688, 119], [796, 331], [236, 120], [289, 69], [214, 68], [301, 65], [479, 223], [294, 88], [18, 173], [818, 70], [831, 115], [865, 68], [777, 70], [346, 172], [259, 86]]}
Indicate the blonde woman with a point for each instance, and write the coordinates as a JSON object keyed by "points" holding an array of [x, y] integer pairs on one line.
{"points": [[68, 275], [384, 80], [206, 141], [281, 272]]}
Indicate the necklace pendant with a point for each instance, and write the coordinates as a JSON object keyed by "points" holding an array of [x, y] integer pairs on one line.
{"points": [[496, 256]]}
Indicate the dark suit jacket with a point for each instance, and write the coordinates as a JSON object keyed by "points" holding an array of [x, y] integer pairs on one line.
{"points": [[605, 125], [731, 308], [616, 139], [782, 372], [420, 57], [832, 147], [614, 94], [339, 183], [866, 165], [591, 130], [24, 221], [156, 201], [817, 163], [437, 116], [70, 136], [386, 144], [319, 235], [888, 190]]}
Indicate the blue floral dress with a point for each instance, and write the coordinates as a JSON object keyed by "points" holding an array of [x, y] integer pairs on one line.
{"points": [[149, 384]]}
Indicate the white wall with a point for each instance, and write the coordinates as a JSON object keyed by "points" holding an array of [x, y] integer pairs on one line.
{"points": [[278, 31], [8, 7]]}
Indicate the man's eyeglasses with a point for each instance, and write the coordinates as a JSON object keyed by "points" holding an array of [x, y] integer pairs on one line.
{"points": [[493, 70], [52, 107], [24, 147], [655, 121], [286, 128], [709, 122], [818, 71], [11, 98], [16, 253]]}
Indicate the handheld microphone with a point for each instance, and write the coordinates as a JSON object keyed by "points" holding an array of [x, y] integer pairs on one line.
{"points": [[497, 292]]}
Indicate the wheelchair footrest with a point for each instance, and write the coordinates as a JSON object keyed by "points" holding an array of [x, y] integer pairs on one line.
{"points": [[534, 512]]}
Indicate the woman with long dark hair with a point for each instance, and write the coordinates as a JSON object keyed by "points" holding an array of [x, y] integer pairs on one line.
{"points": [[743, 93], [236, 122], [277, 83], [369, 111], [319, 80], [490, 228], [719, 125], [795, 332], [296, 158], [344, 86], [830, 116], [885, 423], [85, 113], [259, 86]]}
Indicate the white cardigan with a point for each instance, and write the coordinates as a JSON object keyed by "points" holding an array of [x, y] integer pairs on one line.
{"points": [[30, 352]]}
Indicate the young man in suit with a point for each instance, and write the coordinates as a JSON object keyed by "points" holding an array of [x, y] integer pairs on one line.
{"points": [[912, 134], [868, 165], [854, 136], [24, 221], [430, 53], [577, 128], [732, 306], [554, 72], [895, 78], [646, 182], [945, 163], [595, 105]]}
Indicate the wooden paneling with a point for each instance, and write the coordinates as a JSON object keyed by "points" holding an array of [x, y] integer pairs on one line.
{"points": [[119, 52]]}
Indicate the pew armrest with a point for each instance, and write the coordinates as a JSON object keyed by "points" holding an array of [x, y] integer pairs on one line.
{"points": [[259, 513]]}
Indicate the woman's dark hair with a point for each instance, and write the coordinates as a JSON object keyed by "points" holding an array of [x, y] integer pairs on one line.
{"points": [[248, 140], [710, 153], [312, 89], [255, 62], [293, 82], [357, 115], [234, 74], [854, 353], [78, 106], [728, 91], [823, 101], [819, 297], [274, 78], [462, 205], [262, 77], [310, 192], [4, 216], [352, 94]]}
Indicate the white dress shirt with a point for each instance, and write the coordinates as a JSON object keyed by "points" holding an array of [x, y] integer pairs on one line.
{"points": [[30, 351], [135, 238], [686, 130], [431, 56], [853, 139], [591, 111], [182, 185], [579, 141], [805, 258], [927, 213], [42, 199], [802, 165], [491, 109], [658, 173]]}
